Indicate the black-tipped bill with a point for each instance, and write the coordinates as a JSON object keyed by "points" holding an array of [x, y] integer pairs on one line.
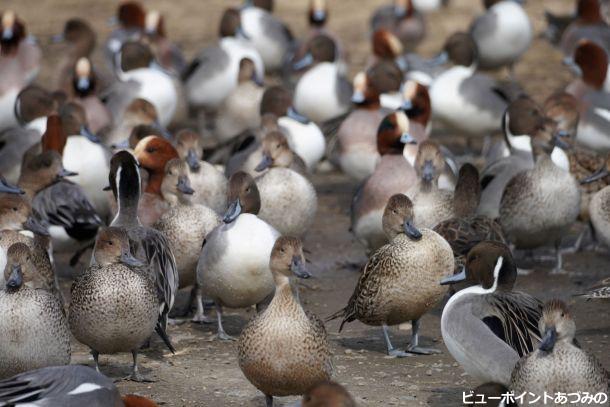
{"points": [[456, 278], [192, 160], [407, 138], [35, 226], [411, 230], [128, 259], [428, 171], [294, 115], [184, 185], [303, 63], [9, 188], [439, 59], [232, 212], [65, 173], [597, 175], [548, 340], [92, 137], [15, 280], [298, 268], [264, 164]]}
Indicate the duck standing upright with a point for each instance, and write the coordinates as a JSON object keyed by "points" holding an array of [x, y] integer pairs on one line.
{"points": [[284, 350]]}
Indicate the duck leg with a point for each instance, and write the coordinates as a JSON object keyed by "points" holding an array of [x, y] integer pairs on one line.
{"points": [[200, 316], [414, 345], [399, 353], [96, 357], [222, 335], [269, 400], [135, 374], [558, 269]]}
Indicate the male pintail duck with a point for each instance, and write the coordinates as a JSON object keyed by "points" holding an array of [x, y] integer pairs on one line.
{"points": [[146, 244], [559, 365], [35, 329], [463, 99], [393, 174], [589, 24], [502, 34], [600, 203], [487, 327], [233, 268], [402, 20], [85, 87], [539, 204], [327, 394], [288, 199], [399, 283], [322, 93], [431, 204], [19, 64], [600, 291], [285, 350], [209, 183], [113, 305], [271, 38], [185, 224], [167, 53], [68, 386]]}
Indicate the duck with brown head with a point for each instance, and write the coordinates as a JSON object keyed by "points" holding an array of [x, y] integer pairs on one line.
{"points": [[233, 268], [589, 24], [399, 283], [168, 54], [402, 20], [130, 18]]}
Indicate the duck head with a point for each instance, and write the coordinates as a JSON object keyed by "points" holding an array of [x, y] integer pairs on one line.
{"points": [[547, 138], [321, 48], [318, 13], [277, 101], [20, 270], [242, 196], [429, 162], [154, 25], [364, 94], [556, 325], [327, 394], [74, 121], [589, 11], [189, 148], [79, 36], [176, 185], [16, 214], [467, 191], [601, 173], [247, 72], [386, 45], [83, 81], [562, 108], [134, 55], [287, 259], [460, 49], [124, 178], [590, 63], [230, 24], [416, 102], [34, 102], [112, 247], [398, 218], [393, 134], [523, 117], [153, 154], [276, 152], [489, 264], [131, 15], [13, 31], [385, 76], [42, 170]]}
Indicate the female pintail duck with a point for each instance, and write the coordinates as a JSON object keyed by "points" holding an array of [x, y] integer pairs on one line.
{"points": [[463, 99], [327, 394], [466, 228], [590, 63], [393, 174], [539, 204], [153, 153], [322, 93], [431, 204], [288, 199], [402, 20], [559, 365], [270, 36], [167, 53], [233, 268], [35, 329], [146, 244], [185, 224], [72, 385], [209, 183], [240, 111], [131, 19], [399, 283], [357, 135], [213, 74], [19, 64], [285, 350], [599, 204], [85, 88], [113, 305], [600, 291], [502, 34], [589, 24], [487, 327]]}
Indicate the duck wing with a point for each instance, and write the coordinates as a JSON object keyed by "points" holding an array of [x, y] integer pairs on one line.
{"points": [[465, 233]]}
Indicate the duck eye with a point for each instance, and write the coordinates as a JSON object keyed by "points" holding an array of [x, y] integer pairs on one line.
{"points": [[150, 150], [562, 314], [15, 209], [277, 146], [248, 190], [110, 242]]}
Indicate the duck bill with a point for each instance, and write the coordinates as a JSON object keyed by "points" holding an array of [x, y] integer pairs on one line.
{"points": [[184, 185], [15, 280], [456, 278], [440, 59], [83, 84], [318, 16], [7, 34], [407, 138], [9, 188], [297, 267], [559, 140], [57, 38], [596, 176], [164, 132], [121, 145], [85, 131], [258, 80], [406, 105], [192, 160], [548, 340], [428, 171], [63, 173], [358, 97], [303, 63], [294, 115], [241, 33], [573, 66], [411, 230], [128, 259], [232, 212], [264, 164], [35, 226]]}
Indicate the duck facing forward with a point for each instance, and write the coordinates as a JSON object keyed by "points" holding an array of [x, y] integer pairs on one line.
{"points": [[284, 350]]}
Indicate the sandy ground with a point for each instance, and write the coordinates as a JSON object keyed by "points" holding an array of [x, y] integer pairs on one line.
{"points": [[204, 372]]}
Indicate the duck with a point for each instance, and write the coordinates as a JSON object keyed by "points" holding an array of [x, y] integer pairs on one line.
{"points": [[288, 199], [208, 182], [487, 327], [463, 99], [213, 74], [153, 153], [431, 204], [526, 216], [502, 34], [185, 224], [466, 228], [138, 112], [393, 174], [34, 323], [19, 64], [285, 350], [113, 306], [130, 20], [322, 93], [598, 205], [399, 283], [589, 24], [540, 371], [271, 38], [66, 386], [600, 291], [168, 54], [240, 111], [146, 244], [401, 19], [85, 88], [233, 268], [327, 394]]}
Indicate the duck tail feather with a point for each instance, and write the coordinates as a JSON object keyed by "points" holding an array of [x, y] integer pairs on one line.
{"points": [[161, 332]]}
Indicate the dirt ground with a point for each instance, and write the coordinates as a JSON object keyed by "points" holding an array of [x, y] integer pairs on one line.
{"points": [[204, 372]]}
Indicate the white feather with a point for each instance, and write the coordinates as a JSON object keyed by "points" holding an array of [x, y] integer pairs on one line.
{"points": [[84, 388]]}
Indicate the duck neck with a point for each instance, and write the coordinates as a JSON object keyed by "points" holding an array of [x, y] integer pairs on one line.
{"points": [[127, 213], [283, 296], [427, 186], [155, 180]]}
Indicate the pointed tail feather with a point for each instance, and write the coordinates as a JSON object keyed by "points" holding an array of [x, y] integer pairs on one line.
{"points": [[161, 332]]}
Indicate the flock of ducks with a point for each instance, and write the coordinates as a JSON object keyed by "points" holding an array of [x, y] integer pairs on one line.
{"points": [[87, 162]]}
